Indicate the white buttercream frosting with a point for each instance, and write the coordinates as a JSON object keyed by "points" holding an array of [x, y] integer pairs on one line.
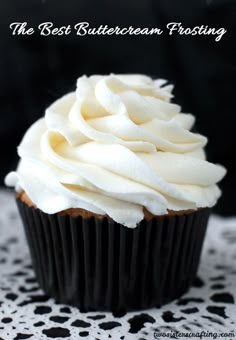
{"points": [[115, 145]]}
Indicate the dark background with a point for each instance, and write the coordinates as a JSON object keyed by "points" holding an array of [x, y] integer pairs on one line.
{"points": [[36, 70]]}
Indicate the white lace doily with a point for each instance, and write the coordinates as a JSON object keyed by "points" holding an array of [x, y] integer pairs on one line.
{"points": [[26, 313]]}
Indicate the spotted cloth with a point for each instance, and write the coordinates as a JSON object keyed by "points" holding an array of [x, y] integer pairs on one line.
{"points": [[25, 312]]}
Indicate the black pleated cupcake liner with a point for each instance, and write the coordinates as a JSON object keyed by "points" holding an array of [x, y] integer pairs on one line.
{"points": [[98, 264]]}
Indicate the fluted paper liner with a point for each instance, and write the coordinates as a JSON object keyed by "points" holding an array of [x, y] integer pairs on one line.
{"points": [[98, 264]]}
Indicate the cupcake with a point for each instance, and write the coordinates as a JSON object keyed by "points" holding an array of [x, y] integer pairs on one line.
{"points": [[114, 191]]}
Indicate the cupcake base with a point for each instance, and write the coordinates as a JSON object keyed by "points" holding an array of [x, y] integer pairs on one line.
{"points": [[98, 264]]}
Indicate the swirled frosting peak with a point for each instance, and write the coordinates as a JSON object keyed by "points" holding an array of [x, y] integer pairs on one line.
{"points": [[115, 146]]}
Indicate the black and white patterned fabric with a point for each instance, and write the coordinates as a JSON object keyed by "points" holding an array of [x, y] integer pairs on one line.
{"points": [[27, 313]]}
